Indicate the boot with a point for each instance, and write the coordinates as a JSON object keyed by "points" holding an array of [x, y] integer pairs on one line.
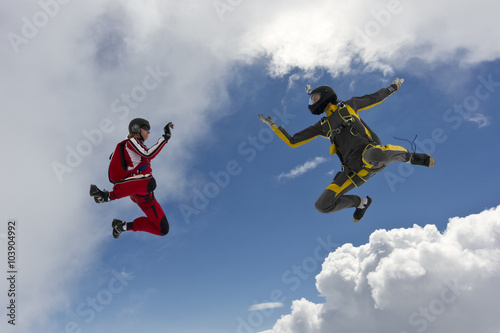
{"points": [[422, 159], [117, 226], [99, 196], [360, 212]]}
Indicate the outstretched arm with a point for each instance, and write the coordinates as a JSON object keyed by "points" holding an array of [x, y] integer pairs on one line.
{"points": [[297, 139], [367, 101]]}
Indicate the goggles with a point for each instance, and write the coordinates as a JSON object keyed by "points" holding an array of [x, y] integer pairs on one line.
{"points": [[313, 98]]}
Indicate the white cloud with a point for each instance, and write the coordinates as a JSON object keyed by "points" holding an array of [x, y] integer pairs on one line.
{"points": [[56, 90], [302, 169], [480, 119], [265, 306], [292, 79], [376, 35], [409, 280]]}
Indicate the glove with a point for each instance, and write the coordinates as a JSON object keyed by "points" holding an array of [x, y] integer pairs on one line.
{"points": [[268, 121], [395, 84], [166, 129]]}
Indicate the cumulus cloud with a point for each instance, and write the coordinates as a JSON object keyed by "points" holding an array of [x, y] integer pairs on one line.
{"points": [[302, 169], [409, 280], [371, 35]]}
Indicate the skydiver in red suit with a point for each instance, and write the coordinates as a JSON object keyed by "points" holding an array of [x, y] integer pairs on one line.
{"points": [[130, 172]]}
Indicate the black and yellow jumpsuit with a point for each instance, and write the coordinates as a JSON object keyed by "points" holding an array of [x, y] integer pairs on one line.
{"points": [[358, 147]]}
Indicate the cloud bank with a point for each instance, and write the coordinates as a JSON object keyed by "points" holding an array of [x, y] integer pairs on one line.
{"points": [[367, 35], [409, 280]]}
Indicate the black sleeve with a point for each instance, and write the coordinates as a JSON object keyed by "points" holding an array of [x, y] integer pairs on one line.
{"points": [[367, 101], [301, 137]]}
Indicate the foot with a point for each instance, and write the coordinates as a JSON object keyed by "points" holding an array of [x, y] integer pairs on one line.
{"points": [[422, 159], [117, 226], [360, 212], [99, 196]]}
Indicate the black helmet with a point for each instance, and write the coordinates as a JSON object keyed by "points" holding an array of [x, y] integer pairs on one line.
{"points": [[136, 125], [326, 95]]}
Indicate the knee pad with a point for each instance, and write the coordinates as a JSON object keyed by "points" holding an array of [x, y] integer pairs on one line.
{"points": [[373, 155], [151, 185], [164, 227], [323, 205], [319, 207]]}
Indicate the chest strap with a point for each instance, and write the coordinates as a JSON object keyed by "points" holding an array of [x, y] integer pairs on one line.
{"points": [[348, 120]]}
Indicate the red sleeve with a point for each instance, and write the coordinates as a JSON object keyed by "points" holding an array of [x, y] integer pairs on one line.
{"points": [[149, 153]]}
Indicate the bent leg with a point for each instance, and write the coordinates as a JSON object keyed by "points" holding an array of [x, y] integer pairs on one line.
{"points": [[333, 197], [155, 222], [126, 188], [379, 156]]}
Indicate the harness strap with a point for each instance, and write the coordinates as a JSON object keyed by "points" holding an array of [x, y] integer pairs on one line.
{"points": [[360, 177], [356, 127], [355, 177], [327, 128]]}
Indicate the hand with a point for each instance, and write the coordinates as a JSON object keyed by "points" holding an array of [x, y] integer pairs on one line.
{"points": [[395, 84], [398, 81], [166, 129], [268, 121]]}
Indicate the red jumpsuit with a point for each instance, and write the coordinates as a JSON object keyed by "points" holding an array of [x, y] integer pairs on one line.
{"points": [[130, 172]]}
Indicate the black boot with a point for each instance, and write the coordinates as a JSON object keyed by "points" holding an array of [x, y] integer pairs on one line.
{"points": [[422, 159], [117, 226], [360, 212], [99, 196]]}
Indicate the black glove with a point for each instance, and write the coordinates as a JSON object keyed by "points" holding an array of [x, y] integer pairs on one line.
{"points": [[166, 129]]}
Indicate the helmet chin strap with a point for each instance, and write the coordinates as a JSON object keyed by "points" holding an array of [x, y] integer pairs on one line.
{"points": [[140, 135]]}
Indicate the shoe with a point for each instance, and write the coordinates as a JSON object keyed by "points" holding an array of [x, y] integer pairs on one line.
{"points": [[360, 212], [99, 196], [117, 226], [422, 159]]}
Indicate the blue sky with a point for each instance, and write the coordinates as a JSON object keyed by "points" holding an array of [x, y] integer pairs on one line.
{"points": [[240, 234]]}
